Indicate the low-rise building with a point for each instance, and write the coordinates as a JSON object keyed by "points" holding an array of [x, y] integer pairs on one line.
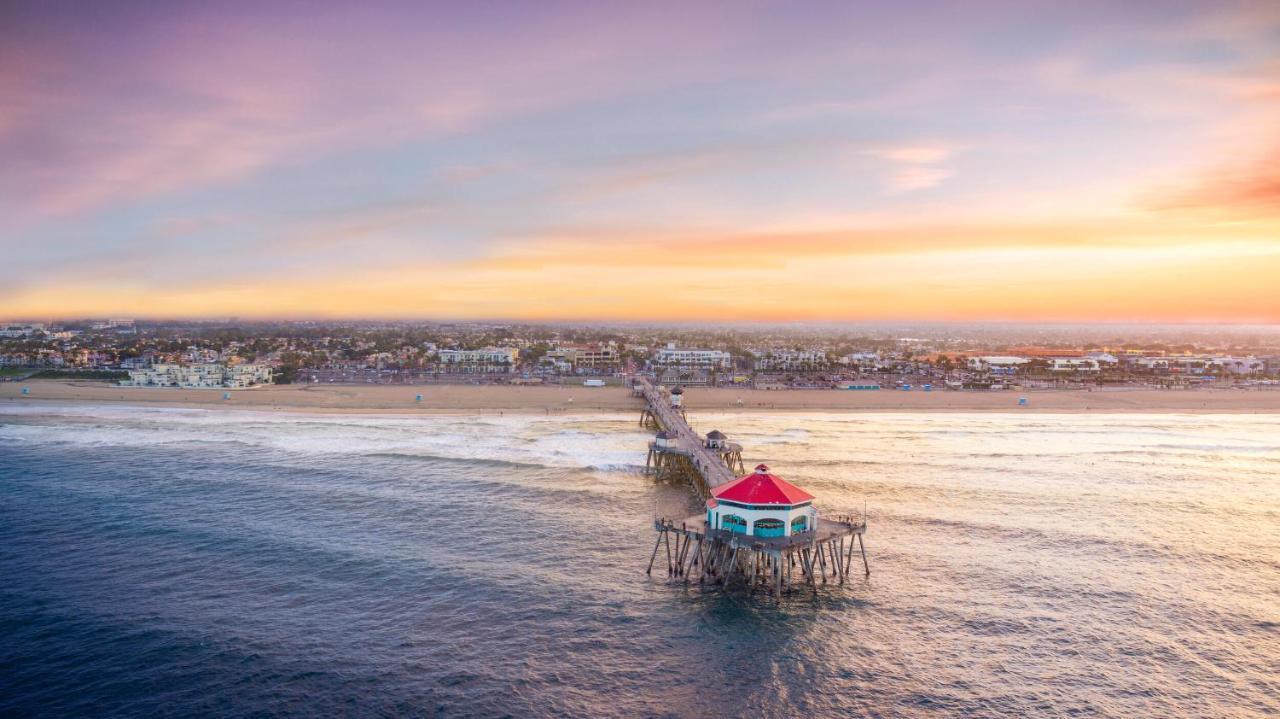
{"points": [[791, 360], [997, 364], [20, 330], [1239, 365], [1085, 365], [583, 357], [1273, 365], [671, 356], [489, 359], [199, 376]]}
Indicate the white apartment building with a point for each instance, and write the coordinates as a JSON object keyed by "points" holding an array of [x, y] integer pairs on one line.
{"points": [[489, 359], [860, 358], [1075, 364], [996, 362], [15, 331], [1240, 365], [196, 376], [671, 356], [1184, 364], [790, 360]]}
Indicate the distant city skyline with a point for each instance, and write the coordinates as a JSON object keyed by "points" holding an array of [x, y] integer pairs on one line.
{"points": [[1056, 162]]}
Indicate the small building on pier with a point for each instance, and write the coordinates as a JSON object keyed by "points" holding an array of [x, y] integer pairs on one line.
{"points": [[677, 397], [716, 439], [665, 440], [761, 504]]}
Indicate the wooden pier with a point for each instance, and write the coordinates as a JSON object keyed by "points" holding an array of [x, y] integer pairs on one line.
{"points": [[776, 564], [722, 557], [686, 455]]}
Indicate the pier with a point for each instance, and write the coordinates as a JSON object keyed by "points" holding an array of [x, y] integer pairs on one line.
{"points": [[822, 549]]}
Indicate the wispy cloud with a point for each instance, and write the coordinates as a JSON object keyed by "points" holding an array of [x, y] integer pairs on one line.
{"points": [[909, 179], [919, 165], [1245, 190], [918, 154]]}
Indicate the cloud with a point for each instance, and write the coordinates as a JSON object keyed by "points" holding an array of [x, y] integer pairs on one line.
{"points": [[100, 111], [909, 179], [924, 154], [1247, 190], [919, 165]]}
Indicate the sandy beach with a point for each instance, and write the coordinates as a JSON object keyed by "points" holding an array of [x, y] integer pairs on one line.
{"points": [[575, 399]]}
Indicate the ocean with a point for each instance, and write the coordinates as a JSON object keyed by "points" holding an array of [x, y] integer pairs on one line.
{"points": [[166, 562]]}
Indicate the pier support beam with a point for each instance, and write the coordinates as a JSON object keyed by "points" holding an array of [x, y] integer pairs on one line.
{"points": [[655, 552]]}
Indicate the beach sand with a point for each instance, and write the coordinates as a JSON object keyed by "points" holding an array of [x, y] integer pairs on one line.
{"points": [[486, 399]]}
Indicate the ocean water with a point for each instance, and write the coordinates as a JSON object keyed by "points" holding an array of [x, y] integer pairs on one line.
{"points": [[160, 562]]}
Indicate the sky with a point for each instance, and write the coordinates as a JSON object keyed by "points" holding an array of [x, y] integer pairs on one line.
{"points": [[1025, 161]]}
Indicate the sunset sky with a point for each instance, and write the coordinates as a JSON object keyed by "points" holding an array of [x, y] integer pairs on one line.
{"points": [[687, 161]]}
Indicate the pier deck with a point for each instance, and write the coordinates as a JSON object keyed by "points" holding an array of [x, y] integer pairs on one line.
{"points": [[709, 464]]}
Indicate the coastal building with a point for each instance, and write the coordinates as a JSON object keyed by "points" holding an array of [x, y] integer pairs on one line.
{"points": [[671, 356], [489, 359], [997, 364], [142, 361], [113, 324], [1273, 365], [1239, 365], [1199, 365], [791, 360], [20, 330], [1104, 359], [861, 359], [583, 357], [761, 504], [205, 375], [1085, 365]]}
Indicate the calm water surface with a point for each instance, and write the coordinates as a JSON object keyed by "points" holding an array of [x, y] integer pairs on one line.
{"points": [[178, 563]]}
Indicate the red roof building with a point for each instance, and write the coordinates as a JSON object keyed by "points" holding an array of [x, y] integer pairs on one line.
{"points": [[761, 504], [761, 487]]}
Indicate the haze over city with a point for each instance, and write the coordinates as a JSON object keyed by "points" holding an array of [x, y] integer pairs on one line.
{"points": [[1091, 162]]}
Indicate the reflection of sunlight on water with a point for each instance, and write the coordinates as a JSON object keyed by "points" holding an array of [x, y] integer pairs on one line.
{"points": [[1107, 564]]}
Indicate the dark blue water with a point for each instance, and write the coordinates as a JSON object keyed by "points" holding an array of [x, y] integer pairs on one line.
{"points": [[233, 564]]}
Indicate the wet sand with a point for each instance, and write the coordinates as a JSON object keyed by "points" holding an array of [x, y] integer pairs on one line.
{"points": [[485, 399]]}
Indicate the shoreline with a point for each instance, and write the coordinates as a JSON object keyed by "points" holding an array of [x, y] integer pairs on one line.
{"points": [[563, 400]]}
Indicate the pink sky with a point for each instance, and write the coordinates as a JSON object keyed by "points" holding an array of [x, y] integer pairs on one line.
{"points": [[850, 161]]}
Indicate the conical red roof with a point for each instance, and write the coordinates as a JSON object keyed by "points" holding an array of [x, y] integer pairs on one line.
{"points": [[761, 487]]}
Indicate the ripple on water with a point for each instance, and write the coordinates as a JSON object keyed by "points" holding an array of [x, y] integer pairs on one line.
{"points": [[188, 563]]}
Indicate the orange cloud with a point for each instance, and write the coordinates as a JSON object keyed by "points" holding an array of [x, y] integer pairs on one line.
{"points": [[1248, 190]]}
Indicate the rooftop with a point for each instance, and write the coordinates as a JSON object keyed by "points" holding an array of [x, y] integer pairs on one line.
{"points": [[761, 487]]}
